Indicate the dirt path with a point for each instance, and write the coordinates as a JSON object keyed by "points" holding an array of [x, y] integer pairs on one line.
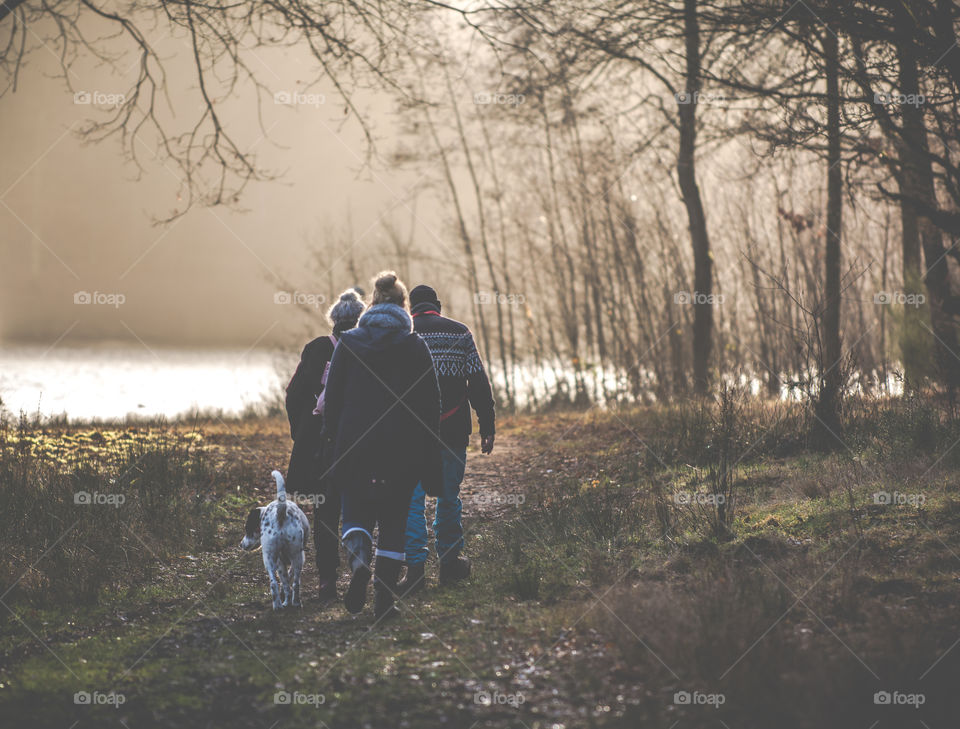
{"points": [[491, 485], [200, 645]]}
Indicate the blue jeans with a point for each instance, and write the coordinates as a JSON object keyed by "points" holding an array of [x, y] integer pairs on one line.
{"points": [[447, 527]]}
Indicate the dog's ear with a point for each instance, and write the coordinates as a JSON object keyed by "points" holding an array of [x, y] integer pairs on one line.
{"points": [[252, 527]]}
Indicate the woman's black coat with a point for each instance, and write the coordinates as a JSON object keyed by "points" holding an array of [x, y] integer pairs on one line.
{"points": [[382, 411], [306, 458]]}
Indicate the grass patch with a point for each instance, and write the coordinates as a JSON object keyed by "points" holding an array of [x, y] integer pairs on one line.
{"points": [[599, 599], [91, 511]]}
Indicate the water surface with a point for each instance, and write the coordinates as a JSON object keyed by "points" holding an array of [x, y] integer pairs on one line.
{"points": [[111, 382]]}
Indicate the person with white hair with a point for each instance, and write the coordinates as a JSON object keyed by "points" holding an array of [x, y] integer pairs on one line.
{"points": [[304, 410]]}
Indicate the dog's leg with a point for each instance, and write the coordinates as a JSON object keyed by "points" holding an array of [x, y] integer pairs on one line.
{"points": [[270, 564], [285, 580], [295, 568]]}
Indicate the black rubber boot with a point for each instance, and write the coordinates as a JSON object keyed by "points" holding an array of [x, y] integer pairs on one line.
{"points": [[327, 592], [358, 548], [385, 588], [454, 570], [413, 582], [326, 546]]}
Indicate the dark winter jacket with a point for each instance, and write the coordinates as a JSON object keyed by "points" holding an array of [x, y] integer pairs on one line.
{"points": [[306, 466], [460, 371], [382, 411]]}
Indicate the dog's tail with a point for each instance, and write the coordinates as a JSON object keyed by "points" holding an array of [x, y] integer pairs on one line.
{"points": [[281, 498]]}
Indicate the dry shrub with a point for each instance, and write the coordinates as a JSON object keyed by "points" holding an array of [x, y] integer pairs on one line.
{"points": [[145, 502], [739, 631]]}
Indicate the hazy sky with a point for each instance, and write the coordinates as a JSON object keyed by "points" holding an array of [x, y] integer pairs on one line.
{"points": [[74, 219]]}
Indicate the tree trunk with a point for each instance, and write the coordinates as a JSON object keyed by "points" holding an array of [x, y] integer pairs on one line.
{"points": [[943, 27], [915, 345], [828, 426], [919, 195], [686, 176]]}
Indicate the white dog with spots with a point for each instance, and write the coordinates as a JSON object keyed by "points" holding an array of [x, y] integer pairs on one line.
{"points": [[282, 530]]}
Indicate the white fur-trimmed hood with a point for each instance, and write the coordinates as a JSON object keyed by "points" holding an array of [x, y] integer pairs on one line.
{"points": [[387, 316], [379, 328]]}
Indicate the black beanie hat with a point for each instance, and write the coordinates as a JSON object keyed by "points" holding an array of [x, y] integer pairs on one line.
{"points": [[423, 294]]}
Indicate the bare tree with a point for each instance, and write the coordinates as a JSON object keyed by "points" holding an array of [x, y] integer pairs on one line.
{"points": [[350, 42]]}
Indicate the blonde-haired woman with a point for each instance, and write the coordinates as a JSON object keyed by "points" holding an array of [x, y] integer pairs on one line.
{"points": [[381, 424]]}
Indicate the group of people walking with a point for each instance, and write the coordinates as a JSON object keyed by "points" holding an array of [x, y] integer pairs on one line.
{"points": [[380, 417]]}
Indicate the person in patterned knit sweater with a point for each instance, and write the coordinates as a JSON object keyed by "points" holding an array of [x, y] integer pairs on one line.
{"points": [[463, 383]]}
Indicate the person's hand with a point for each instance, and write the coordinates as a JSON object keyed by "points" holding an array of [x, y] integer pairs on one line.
{"points": [[486, 444]]}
